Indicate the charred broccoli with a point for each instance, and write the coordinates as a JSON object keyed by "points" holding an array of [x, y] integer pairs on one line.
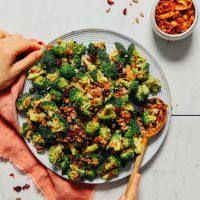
{"points": [[24, 102], [55, 153], [67, 71], [148, 118]]}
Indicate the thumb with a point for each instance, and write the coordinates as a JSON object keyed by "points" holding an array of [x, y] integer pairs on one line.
{"points": [[26, 62]]}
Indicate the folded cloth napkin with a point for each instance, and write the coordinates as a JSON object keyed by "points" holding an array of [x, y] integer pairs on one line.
{"points": [[13, 147]]}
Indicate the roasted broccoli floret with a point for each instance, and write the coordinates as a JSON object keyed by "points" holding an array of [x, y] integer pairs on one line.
{"points": [[142, 93], [134, 56], [83, 107], [90, 67], [38, 139], [39, 99], [24, 102], [91, 148], [41, 83], [130, 53], [25, 127], [142, 71], [73, 175], [75, 94], [127, 142], [132, 86], [92, 127], [102, 56], [90, 174], [148, 118], [111, 174], [35, 71], [57, 123], [84, 79], [48, 59], [113, 162], [105, 132], [34, 116], [109, 70], [116, 142], [52, 77], [133, 129], [153, 84], [121, 61], [98, 76], [55, 153], [127, 154], [56, 95], [47, 135], [120, 49], [60, 50], [60, 84], [91, 49], [67, 71], [121, 101], [65, 164], [49, 107], [75, 48], [107, 113], [76, 61]]}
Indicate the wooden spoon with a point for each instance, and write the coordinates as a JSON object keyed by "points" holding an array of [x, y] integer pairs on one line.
{"points": [[159, 109]]}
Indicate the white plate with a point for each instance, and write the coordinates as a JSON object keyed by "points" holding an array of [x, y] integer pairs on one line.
{"points": [[109, 37]]}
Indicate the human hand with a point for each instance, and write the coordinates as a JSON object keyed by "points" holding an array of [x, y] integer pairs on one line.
{"points": [[11, 46], [132, 195]]}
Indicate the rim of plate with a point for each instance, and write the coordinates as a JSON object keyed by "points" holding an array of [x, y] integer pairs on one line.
{"points": [[122, 176]]}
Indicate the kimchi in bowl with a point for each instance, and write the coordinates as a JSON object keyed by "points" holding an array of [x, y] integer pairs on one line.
{"points": [[174, 20]]}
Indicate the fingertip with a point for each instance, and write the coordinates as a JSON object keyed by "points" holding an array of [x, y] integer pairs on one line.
{"points": [[122, 197], [38, 54]]}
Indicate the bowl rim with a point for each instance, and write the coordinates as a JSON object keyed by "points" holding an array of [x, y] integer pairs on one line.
{"points": [[171, 36]]}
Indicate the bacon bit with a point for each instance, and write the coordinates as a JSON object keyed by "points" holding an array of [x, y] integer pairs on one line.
{"points": [[26, 187], [69, 51], [135, 1], [130, 4], [106, 86], [174, 17], [125, 11], [49, 47], [110, 2], [129, 74], [12, 175], [17, 188]]}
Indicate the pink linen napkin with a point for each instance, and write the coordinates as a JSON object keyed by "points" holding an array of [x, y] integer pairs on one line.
{"points": [[13, 147]]}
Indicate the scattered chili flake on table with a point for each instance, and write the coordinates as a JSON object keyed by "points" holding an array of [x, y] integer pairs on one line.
{"points": [[12, 175], [174, 16]]}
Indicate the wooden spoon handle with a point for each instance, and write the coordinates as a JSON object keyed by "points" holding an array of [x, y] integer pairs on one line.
{"points": [[135, 170]]}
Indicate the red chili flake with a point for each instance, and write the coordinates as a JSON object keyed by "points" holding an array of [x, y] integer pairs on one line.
{"points": [[12, 175], [26, 187], [110, 2], [125, 11], [17, 188]]}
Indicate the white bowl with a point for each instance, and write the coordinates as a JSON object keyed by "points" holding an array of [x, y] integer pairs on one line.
{"points": [[171, 37]]}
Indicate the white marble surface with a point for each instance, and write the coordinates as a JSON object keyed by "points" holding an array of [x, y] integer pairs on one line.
{"points": [[174, 172]]}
